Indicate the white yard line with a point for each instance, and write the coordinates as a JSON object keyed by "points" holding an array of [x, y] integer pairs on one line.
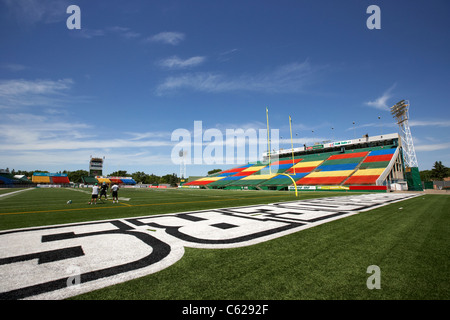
{"points": [[14, 193]]}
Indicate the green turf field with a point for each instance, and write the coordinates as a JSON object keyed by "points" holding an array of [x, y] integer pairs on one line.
{"points": [[38, 207], [411, 246]]}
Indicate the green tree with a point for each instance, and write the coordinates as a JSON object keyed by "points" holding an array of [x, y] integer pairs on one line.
{"points": [[139, 176], [120, 173], [425, 175], [214, 171], [152, 179], [75, 176], [439, 171], [171, 179]]}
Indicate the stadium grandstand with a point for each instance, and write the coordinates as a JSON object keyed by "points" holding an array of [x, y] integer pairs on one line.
{"points": [[108, 180], [10, 180], [368, 163], [50, 178], [39, 178]]}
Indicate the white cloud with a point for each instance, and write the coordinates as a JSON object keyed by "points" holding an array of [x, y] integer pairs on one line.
{"points": [[284, 79], [177, 63], [381, 102], [124, 32], [35, 11], [20, 87], [420, 123], [21, 132], [227, 55], [172, 38], [48, 142], [14, 67], [19, 93], [87, 33], [433, 147]]}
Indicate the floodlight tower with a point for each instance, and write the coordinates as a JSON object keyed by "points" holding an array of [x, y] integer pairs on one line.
{"points": [[400, 111]]}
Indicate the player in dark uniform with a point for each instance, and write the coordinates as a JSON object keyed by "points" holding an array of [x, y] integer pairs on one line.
{"points": [[103, 190]]}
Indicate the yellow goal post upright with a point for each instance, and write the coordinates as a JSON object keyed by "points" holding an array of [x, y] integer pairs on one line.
{"points": [[292, 145]]}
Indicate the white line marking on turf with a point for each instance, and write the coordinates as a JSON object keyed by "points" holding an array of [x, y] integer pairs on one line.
{"points": [[14, 193]]}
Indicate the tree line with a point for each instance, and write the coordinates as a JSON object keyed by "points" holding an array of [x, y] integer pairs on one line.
{"points": [[438, 173], [139, 176]]}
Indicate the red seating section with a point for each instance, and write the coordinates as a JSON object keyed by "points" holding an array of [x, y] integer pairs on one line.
{"points": [[384, 157], [347, 155], [60, 179], [362, 180]]}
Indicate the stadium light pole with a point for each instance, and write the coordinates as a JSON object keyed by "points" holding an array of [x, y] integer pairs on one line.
{"points": [[400, 111]]}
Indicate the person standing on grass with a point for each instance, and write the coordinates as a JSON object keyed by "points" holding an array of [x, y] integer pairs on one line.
{"points": [[115, 191], [94, 195], [103, 190]]}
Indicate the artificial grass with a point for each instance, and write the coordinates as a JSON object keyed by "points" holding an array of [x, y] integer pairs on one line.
{"points": [[409, 241], [40, 207]]}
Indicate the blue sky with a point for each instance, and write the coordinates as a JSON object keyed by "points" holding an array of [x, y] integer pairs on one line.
{"points": [[138, 70]]}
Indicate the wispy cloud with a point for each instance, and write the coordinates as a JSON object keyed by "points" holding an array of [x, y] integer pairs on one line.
{"points": [[87, 33], [372, 125], [177, 63], [227, 55], [381, 102], [27, 131], [14, 67], [36, 11], [432, 147], [124, 32], [66, 144], [285, 79], [167, 37], [20, 92], [438, 123]]}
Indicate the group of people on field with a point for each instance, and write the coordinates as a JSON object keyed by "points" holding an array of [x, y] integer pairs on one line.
{"points": [[96, 190]]}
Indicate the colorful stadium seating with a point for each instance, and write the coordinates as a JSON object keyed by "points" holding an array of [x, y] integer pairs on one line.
{"points": [[372, 167], [355, 168]]}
